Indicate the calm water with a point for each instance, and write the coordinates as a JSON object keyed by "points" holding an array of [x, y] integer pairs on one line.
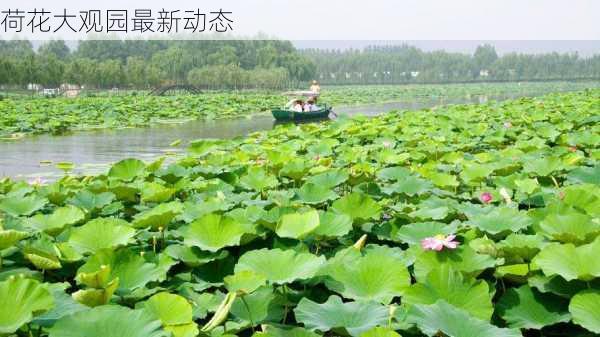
{"points": [[93, 151]]}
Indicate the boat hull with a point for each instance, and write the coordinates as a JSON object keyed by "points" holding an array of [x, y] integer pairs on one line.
{"points": [[287, 115]]}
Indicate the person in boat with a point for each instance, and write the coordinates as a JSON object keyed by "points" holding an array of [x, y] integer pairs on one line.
{"points": [[311, 105], [315, 87], [295, 105]]}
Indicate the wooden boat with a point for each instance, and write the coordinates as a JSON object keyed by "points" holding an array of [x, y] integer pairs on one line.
{"points": [[288, 115], [285, 114]]}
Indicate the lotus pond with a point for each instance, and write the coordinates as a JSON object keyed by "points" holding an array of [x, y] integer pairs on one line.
{"points": [[468, 220], [20, 116]]}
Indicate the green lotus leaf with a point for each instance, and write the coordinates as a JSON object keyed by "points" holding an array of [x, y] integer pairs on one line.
{"points": [[155, 192], [448, 285], [358, 206], [297, 225], [55, 222], [159, 216], [262, 305], [443, 179], [101, 233], [132, 270], [559, 286], [569, 226], [193, 256], [280, 266], [311, 193], [64, 305], [583, 197], [376, 275], [585, 175], [380, 332], [521, 246], [272, 331], [201, 147], [90, 201], [96, 279], [108, 321], [526, 308], [20, 300], [174, 312], [96, 297], [213, 232], [475, 173], [501, 220], [452, 321], [10, 237], [333, 224], [127, 169], [414, 233], [585, 308], [569, 261], [542, 167], [295, 169], [396, 173], [43, 262], [328, 179], [351, 317], [410, 186], [433, 208], [244, 282], [463, 259], [19, 205], [258, 179]]}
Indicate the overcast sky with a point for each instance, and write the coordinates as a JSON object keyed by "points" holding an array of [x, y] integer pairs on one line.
{"points": [[356, 20]]}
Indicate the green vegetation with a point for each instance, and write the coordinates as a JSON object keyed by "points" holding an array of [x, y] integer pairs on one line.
{"points": [[143, 64], [467, 220], [407, 64], [59, 115]]}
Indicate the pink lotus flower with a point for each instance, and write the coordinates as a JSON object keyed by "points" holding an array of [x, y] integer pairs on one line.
{"points": [[38, 181], [438, 242], [573, 148], [486, 197]]}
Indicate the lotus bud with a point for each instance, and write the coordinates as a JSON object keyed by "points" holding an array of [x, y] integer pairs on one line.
{"points": [[507, 124], [142, 253], [505, 195], [103, 266], [361, 242], [393, 309], [160, 229]]}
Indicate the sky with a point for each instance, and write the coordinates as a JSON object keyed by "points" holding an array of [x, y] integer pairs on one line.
{"points": [[375, 19]]}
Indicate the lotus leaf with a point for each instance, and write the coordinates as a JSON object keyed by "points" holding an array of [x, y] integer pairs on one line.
{"points": [[174, 312], [280, 266], [569, 261], [585, 308], [353, 317], [377, 275], [297, 225], [108, 321], [451, 321], [20, 300], [525, 308], [213, 232], [127, 169], [446, 284], [101, 233]]}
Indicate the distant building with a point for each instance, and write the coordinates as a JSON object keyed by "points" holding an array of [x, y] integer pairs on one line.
{"points": [[414, 74], [484, 73], [34, 87]]}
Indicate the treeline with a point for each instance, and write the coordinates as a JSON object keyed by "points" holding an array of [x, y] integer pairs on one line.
{"points": [[145, 64], [407, 64]]}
